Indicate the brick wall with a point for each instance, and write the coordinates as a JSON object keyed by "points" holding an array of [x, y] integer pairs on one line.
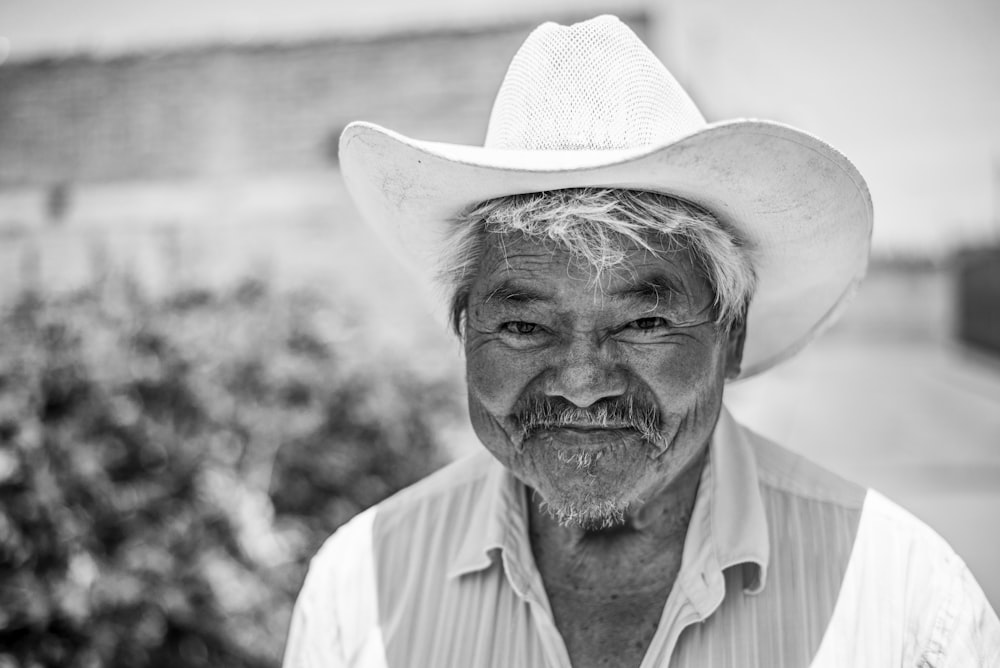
{"points": [[221, 111]]}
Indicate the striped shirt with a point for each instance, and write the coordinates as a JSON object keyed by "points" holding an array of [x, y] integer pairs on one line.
{"points": [[784, 564]]}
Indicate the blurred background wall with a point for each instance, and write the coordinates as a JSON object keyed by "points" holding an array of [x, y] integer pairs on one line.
{"points": [[187, 147]]}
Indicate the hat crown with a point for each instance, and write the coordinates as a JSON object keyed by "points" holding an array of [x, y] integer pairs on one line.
{"points": [[590, 86]]}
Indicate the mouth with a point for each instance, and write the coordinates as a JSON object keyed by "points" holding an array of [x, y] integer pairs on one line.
{"points": [[585, 436]]}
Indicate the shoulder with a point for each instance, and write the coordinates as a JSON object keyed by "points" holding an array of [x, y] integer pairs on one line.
{"points": [[354, 552], [802, 496], [908, 599], [351, 546], [336, 613], [904, 558], [445, 492], [447, 481], [782, 471], [336, 616], [903, 596]]}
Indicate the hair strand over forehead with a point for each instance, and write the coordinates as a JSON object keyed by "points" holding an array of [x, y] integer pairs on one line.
{"points": [[598, 226]]}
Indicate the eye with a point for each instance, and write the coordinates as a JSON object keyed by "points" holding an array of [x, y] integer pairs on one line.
{"points": [[647, 323], [520, 327]]}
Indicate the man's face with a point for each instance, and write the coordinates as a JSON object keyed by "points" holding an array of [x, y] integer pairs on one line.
{"points": [[595, 394]]}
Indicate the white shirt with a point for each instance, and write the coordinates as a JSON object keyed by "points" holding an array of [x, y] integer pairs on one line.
{"points": [[784, 565]]}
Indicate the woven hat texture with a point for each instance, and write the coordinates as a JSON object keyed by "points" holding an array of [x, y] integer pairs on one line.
{"points": [[592, 85], [589, 105]]}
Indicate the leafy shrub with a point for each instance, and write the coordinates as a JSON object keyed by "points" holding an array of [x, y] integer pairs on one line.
{"points": [[168, 466]]}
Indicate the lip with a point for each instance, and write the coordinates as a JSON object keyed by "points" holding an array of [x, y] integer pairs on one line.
{"points": [[594, 437]]}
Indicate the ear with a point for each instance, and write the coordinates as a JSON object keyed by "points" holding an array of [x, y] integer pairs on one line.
{"points": [[734, 348]]}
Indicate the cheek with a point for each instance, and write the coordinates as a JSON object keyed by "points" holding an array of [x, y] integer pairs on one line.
{"points": [[495, 383], [681, 376], [496, 380]]}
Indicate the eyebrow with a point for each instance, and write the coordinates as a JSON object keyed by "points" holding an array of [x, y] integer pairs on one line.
{"points": [[652, 292], [509, 293], [656, 290]]}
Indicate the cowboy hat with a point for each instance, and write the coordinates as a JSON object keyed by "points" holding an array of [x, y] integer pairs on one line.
{"points": [[588, 105]]}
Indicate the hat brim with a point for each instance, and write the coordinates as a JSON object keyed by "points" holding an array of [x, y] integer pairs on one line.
{"points": [[803, 208]]}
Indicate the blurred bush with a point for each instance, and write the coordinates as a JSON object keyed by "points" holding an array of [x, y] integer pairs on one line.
{"points": [[169, 465]]}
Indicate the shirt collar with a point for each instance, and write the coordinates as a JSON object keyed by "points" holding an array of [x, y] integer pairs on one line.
{"points": [[501, 523], [728, 526]]}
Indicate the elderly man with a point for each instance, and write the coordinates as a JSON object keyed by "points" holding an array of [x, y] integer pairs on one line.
{"points": [[611, 261]]}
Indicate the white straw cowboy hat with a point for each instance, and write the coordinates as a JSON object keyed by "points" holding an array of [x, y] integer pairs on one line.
{"points": [[590, 105]]}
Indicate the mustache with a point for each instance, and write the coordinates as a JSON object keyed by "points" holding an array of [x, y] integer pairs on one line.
{"points": [[628, 412]]}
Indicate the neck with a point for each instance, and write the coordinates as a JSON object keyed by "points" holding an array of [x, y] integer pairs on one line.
{"points": [[628, 558]]}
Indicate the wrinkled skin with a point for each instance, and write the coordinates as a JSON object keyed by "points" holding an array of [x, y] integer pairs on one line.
{"points": [[610, 505], [540, 328]]}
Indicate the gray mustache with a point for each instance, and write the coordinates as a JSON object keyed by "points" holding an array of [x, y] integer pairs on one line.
{"points": [[615, 413]]}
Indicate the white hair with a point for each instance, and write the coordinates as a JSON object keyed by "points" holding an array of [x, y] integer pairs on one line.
{"points": [[599, 226]]}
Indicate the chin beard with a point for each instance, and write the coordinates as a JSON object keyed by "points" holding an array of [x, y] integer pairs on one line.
{"points": [[589, 516], [589, 490], [582, 510]]}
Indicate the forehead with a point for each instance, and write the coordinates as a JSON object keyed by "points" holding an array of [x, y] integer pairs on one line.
{"points": [[515, 263]]}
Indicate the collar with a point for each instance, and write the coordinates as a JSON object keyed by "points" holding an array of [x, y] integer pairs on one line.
{"points": [[728, 525], [500, 524]]}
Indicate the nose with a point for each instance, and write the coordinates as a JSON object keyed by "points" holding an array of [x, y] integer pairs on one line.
{"points": [[585, 372]]}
